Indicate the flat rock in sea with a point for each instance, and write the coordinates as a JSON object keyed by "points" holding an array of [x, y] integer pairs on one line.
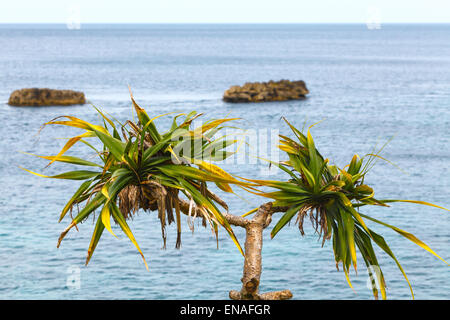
{"points": [[266, 91], [45, 97]]}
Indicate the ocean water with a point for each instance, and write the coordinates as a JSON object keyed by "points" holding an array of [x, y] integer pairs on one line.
{"points": [[366, 85]]}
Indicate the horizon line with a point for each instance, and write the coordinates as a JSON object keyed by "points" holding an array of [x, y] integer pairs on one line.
{"points": [[137, 23]]}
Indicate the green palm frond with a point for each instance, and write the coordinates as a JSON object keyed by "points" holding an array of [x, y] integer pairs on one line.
{"points": [[143, 168], [330, 197]]}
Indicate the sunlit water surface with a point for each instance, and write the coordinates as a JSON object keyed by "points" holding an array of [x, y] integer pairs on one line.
{"points": [[368, 85]]}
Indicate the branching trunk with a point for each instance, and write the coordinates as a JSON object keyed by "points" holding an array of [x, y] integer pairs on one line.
{"points": [[252, 261], [253, 247], [253, 258]]}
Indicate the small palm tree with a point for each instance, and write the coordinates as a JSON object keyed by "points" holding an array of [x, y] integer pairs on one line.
{"points": [[167, 172]]}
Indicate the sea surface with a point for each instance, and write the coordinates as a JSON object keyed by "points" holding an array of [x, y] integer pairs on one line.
{"points": [[367, 86]]}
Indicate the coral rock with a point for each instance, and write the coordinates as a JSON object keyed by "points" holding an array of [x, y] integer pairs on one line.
{"points": [[45, 97], [266, 91]]}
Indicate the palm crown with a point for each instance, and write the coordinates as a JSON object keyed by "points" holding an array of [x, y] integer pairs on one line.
{"points": [[145, 169], [332, 197]]}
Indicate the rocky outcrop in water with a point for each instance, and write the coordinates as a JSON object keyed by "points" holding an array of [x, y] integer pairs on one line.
{"points": [[45, 97], [266, 91]]}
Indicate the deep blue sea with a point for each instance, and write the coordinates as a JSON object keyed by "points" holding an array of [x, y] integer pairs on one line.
{"points": [[366, 85]]}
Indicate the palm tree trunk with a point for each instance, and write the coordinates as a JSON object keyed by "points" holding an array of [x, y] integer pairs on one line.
{"points": [[253, 260], [252, 257]]}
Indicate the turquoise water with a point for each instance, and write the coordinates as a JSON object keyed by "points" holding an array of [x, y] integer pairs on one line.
{"points": [[368, 85]]}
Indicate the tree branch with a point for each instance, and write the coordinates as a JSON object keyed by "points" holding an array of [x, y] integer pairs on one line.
{"points": [[253, 247], [231, 218]]}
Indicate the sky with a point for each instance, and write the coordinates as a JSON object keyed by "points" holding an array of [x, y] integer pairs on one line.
{"points": [[224, 11]]}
